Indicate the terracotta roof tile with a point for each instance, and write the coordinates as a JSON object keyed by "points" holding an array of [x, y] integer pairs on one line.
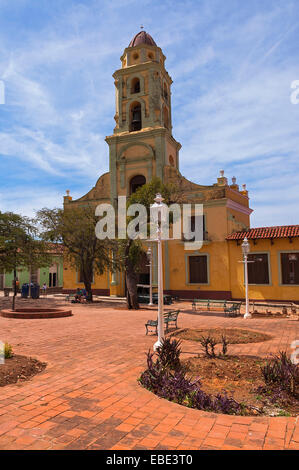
{"points": [[55, 248], [283, 231]]}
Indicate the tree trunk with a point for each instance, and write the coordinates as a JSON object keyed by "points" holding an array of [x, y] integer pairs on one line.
{"points": [[131, 280], [87, 271], [14, 289], [88, 289], [29, 295], [129, 305], [132, 295]]}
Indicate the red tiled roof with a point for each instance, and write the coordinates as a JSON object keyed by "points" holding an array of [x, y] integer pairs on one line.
{"points": [[283, 231], [55, 248]]}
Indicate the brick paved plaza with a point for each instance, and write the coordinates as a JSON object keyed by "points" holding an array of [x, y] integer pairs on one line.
{"points": [[88, 396]]}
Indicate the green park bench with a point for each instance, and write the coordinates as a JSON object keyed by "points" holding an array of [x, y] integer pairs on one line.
{"points": [[169, 317], [69, 297], [208, 303], [233, 310]]}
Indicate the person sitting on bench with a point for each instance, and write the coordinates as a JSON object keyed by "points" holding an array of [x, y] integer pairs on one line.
{"points": [[78, 295]]}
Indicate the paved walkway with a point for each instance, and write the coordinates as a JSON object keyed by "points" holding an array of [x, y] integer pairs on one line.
{"points": [[88, 396]]}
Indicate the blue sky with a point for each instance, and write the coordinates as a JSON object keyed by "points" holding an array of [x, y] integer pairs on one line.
{"points": [[232, 63]]}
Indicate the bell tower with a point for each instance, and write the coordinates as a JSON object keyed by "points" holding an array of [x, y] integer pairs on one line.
{"points": [[142, 144]]}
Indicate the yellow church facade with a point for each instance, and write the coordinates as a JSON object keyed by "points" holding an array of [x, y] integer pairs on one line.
{"points": [[142, 147]]}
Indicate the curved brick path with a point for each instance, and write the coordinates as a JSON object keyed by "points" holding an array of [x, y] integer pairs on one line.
{"points": [[88, 396]]}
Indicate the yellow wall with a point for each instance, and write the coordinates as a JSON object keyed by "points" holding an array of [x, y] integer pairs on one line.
{"points": [[217, 267], [275, 290], [70, 279], [226, 272]]}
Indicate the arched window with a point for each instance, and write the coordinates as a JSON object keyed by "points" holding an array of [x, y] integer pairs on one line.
{"points": [[136, 182], [171, 160], [135, 117], [165, 117], [135, 85], [165, 92]]}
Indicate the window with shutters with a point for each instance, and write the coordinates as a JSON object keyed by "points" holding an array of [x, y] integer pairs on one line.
{"points": [[198, 269], [258, 268], [290, 268]]}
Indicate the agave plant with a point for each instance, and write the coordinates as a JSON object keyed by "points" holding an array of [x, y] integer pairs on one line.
{"points": [[280, 372], [169, 353]]}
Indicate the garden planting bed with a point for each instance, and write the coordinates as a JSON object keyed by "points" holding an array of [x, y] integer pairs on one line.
{"points": [[19, 368], [233, 335], [263, 315], [217, 381], [241, 377]]}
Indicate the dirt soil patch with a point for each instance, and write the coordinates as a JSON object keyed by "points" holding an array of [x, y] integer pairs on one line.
{"points": [[240, 377], [233, 335], [19, 368]]}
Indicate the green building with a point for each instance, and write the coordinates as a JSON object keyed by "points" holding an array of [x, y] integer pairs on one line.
{"points": [[51, 275]]}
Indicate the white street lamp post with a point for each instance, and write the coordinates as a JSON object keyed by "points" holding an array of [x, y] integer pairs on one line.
{"points": [[158, 210], [246, 250], [150, 259]]}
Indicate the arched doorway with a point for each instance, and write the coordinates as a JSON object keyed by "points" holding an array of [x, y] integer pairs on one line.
{"points": [[136, 182]]}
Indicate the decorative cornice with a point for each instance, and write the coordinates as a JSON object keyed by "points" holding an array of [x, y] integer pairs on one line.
{"points": [[137, 135], [136, 68], [238, 207]]}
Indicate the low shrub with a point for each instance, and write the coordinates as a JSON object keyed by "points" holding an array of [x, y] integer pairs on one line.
{"points": [[7, 351], [208, 344], [169, 353], [281, 374], [166, 377]]}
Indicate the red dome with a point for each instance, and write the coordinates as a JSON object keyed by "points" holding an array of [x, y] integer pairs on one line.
{"points": [[142, 38]]}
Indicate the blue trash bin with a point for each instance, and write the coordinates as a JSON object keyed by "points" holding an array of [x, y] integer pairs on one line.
{"points": [[25, 291], [35, 291]]}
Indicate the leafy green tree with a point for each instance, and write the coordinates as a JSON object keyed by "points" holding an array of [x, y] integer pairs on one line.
{"points": [[146, 194], [75, 228], [20, 246], [132, 250]]}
